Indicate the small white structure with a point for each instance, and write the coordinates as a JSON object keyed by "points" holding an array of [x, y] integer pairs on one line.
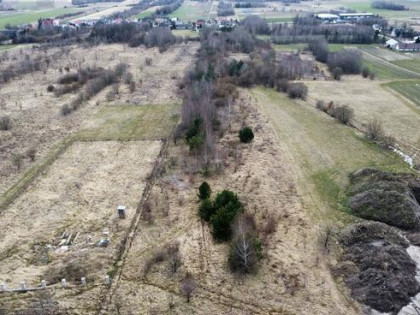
{"points": [[2, 287], [43, 284], [391, 43], [121, 212], [107, 280], [64, 283], [23, 285], [83, 279]]}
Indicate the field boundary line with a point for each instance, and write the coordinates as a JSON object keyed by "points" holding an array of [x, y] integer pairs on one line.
{"points": [[127, 242], [389, 63]]}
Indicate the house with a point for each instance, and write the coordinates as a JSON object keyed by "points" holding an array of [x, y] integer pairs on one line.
{"points": [[354, 16], [327, 17], [404, 47], [47, 23]]}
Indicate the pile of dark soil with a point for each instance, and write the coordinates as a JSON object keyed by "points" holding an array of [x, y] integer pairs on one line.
{"points": [[376, 266], [386, 197]]}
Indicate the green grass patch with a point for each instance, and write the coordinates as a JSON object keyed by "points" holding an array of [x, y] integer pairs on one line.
{"points": [[323, 149], [126, 122], [290, 47], [385, 71], [7, 47], [185, 33], [409, 89], [33, 16], [278, 19], [192, 11], [410, 64]]}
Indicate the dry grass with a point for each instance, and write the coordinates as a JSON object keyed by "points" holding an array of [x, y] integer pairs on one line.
{"points": [[370, 100], [36, 113]]}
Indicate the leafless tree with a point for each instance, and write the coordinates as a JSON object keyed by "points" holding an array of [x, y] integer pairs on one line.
{"points": [[188, 286]]}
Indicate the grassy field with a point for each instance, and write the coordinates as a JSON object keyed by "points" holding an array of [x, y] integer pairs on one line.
{"points": [[409, 89], [132, 123], [411, 64], [146, 13], [7, 47], [365, 6], [290, 47], [184, 33], [325, 151], [22, 18], [192, 11], [385, 70]]}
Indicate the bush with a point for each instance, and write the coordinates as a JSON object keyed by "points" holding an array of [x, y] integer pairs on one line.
{"points": [[221, 222], [224, 198], [344, 114], [50, 88], [65, 110], [5, 123], [31, 154], [349, 60], [374, 130], [194, 135], [246, 135], [297, 90], [365, 72], [282, 85], [206, 209], [204, 191], [337, 73]]}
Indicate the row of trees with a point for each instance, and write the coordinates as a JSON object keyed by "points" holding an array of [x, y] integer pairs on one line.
{"points": [[388, 5], [305, 29], [343, 61]]}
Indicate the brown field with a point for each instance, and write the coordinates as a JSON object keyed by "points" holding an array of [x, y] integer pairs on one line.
{"points": [[370, 99], [37, 122], [293, 277]]}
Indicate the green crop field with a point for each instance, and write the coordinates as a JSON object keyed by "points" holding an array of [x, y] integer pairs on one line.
{"points": [[366, 7], [409, 89], [22, 18], [411, 64], [192, 11]]}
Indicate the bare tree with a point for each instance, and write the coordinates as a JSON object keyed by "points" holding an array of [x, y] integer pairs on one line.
{"points": [[374, 129], [188, 286], [244, 251]]}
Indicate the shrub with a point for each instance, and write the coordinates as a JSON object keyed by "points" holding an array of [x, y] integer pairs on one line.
{"points": [[148, 61], [221, 222], [337, 73], [50, 88], [344, 114], [17, 160], [204, 191], [365, 72], [206, 209], [5, 123], [132, 86], [374, 130], [349, 60], [225, 197], [194, 135], [31, 154], [282, 85], [297, 90], [246, 135], [65, 110]]}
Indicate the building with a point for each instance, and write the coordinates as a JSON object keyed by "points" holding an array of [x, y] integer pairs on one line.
{"points": [[406, 47], [354, 16], [391, 43], [326, 17]]}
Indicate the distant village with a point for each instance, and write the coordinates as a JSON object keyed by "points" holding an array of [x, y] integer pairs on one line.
{"points": [[165, 22], [393, 38]]}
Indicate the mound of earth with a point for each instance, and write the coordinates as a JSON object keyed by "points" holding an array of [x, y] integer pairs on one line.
{"points": [[386, 197], [376, 266]]}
